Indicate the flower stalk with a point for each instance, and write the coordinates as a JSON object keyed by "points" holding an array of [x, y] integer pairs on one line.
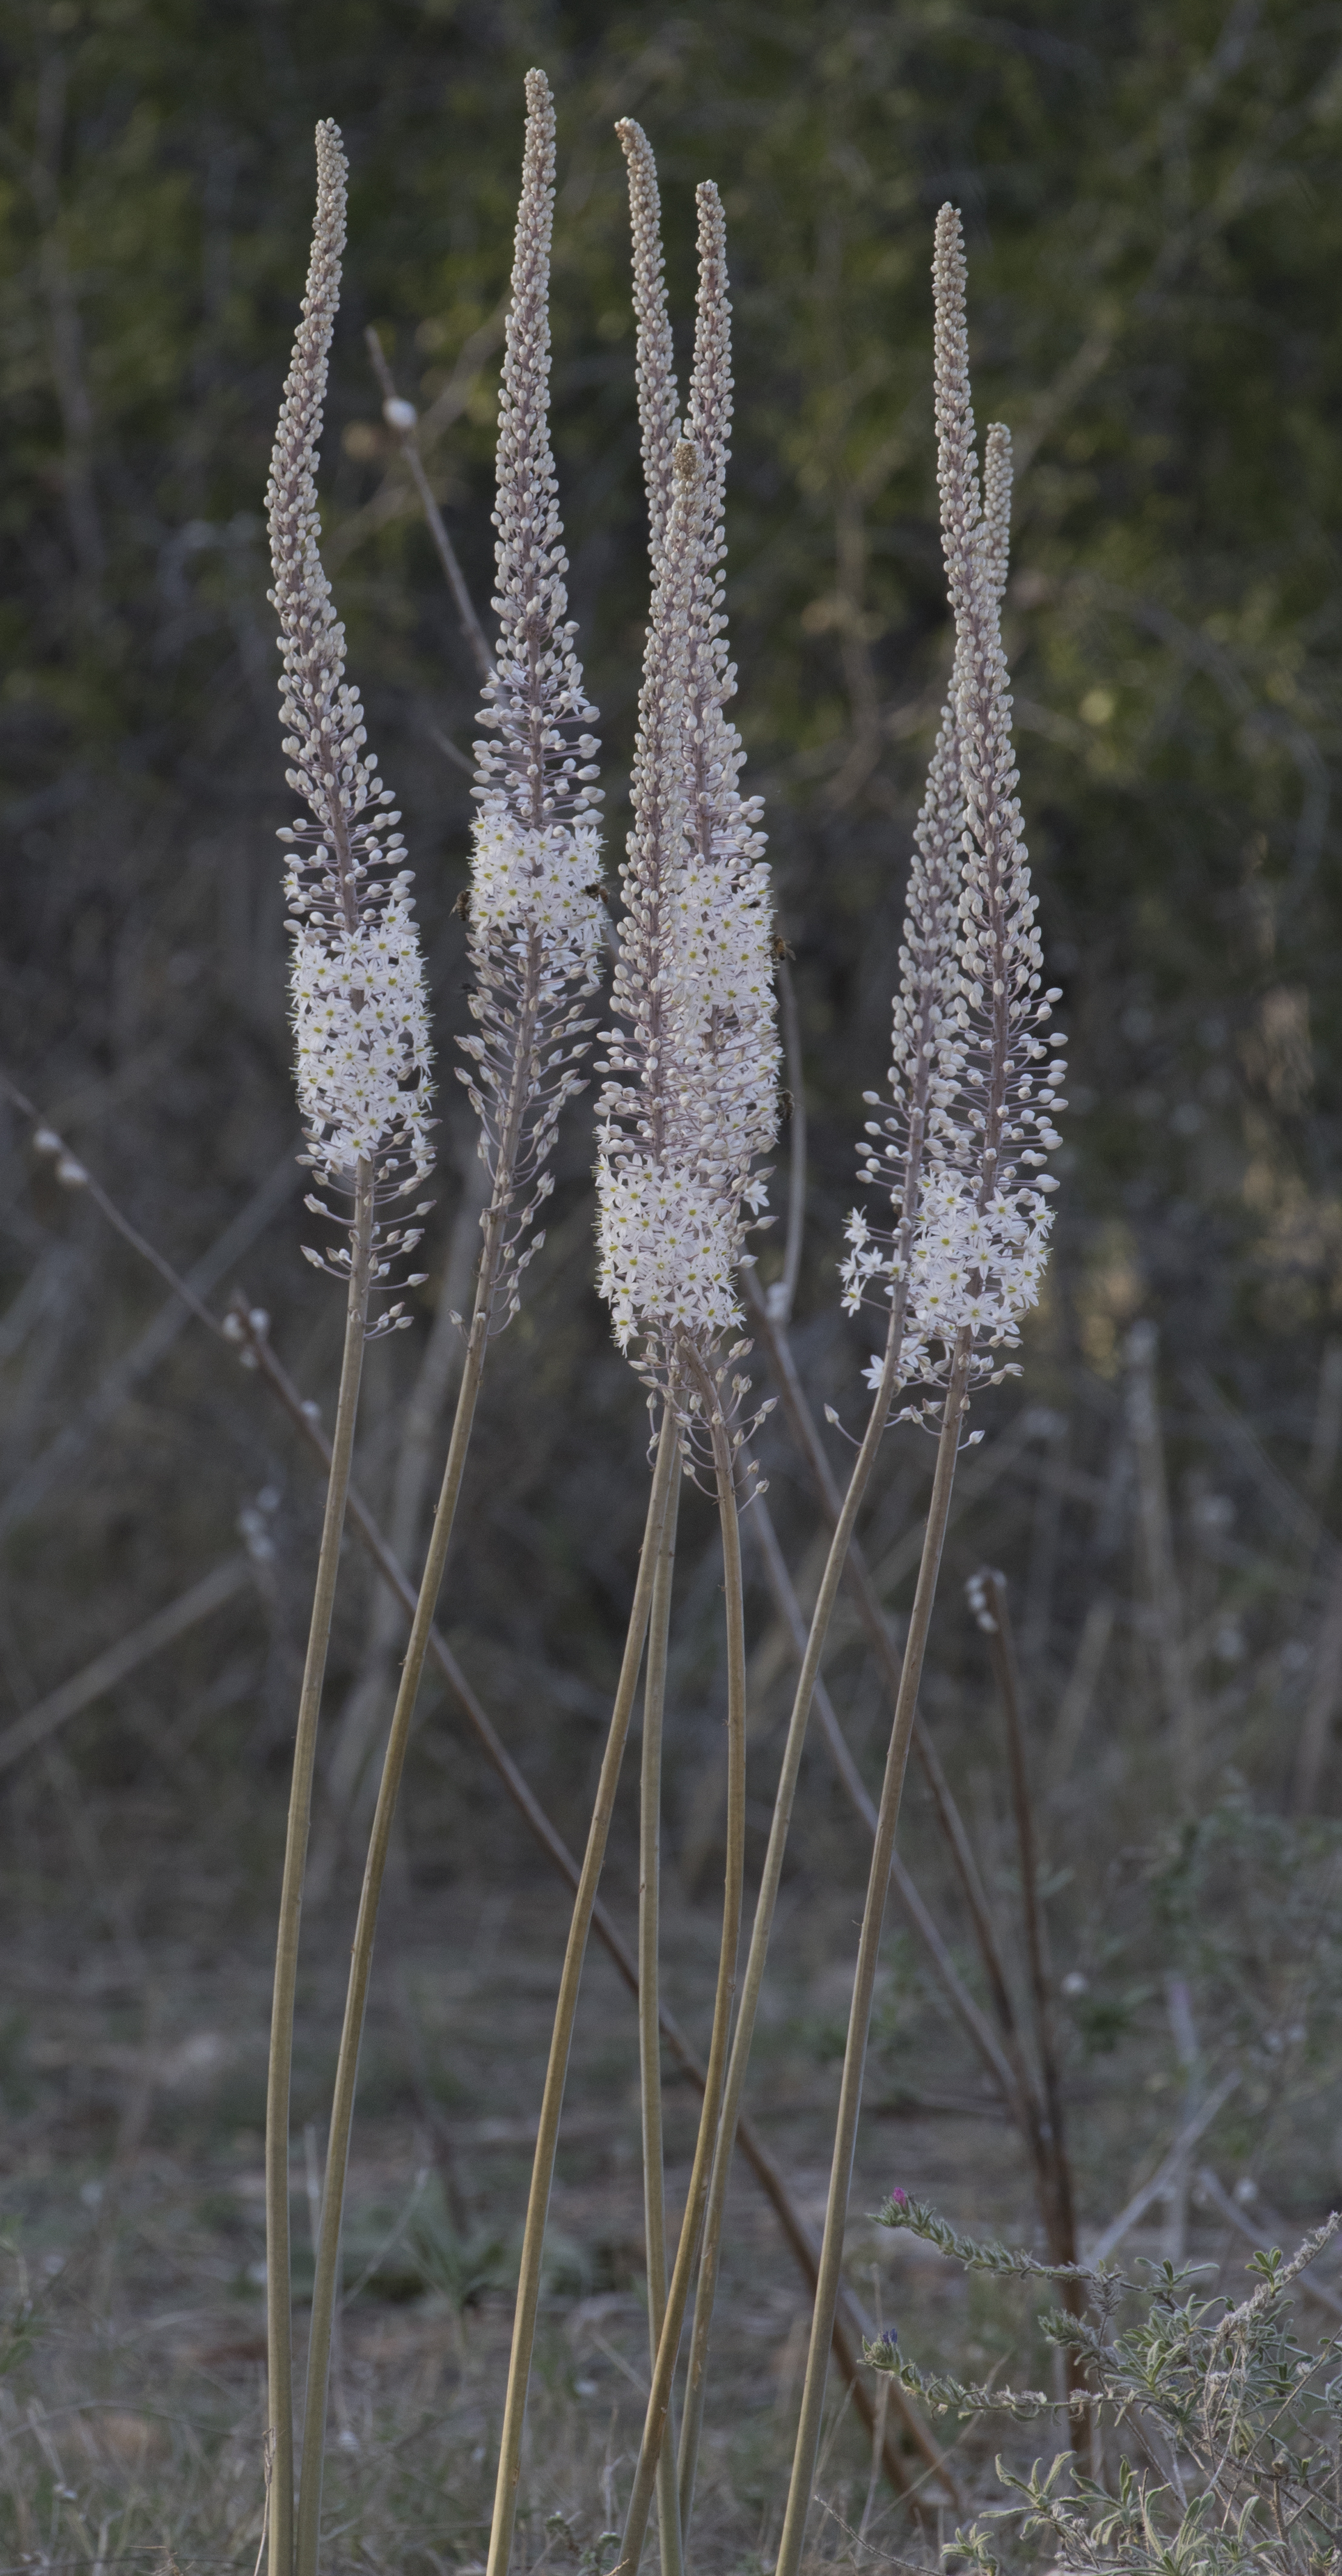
{"points": [[279, 2312], [534, 935], [711, 2132], [690, 1100], [327, 2266], [561, 2037], [925, 1065], [765, 1905], [967, 1253], [649, 1981], [362, 1061], [864, 1983]]}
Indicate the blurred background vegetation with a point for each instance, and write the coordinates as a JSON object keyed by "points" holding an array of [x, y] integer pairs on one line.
{"points": [[1153, 218], [1155, 233], [1154, 222]]}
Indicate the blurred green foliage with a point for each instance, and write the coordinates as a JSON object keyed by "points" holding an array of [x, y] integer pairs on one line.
{"points": [[1154, 218], [1152, 201]]}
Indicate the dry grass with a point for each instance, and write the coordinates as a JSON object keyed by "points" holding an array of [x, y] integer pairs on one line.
{"points": [[134, 2083], [132, 2044]]}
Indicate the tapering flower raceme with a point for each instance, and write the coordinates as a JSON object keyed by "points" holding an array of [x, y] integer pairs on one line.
{"points": [[974, 1091], [726, 904], [691, 1096], [655, 364], [357, 978], [920, 1131], [923, 1137], [536, 916]]}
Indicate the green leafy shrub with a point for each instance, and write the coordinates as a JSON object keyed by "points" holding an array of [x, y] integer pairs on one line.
{"points": [[1213, 2434]]}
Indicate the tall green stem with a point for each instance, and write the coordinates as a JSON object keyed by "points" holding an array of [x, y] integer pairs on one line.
{"points": [[668, 2346], [326, 2275], [649, 2023], [868, 1955], [765, 1904], [279, 2314], [561, 2037]]}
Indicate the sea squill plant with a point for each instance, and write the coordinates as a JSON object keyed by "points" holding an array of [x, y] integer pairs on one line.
{"points": [[363, 1057], [658, 406], [969, 1122], [536, 920], [688, 1105], [926, 1129]]}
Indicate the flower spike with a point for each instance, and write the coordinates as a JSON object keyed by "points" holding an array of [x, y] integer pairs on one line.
{"points": [[690, 1099], [357, 976], [536, 911], [656, 365], [971, 1083]]}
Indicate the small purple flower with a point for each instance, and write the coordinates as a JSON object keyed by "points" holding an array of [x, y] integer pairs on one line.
{"points": [[900, 2198]]}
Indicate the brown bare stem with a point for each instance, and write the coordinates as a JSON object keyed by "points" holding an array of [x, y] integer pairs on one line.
{"points": [[561, 2037], [649, 2032], [324, 2285], [868, 1955], [766, 1903], [244, 1330], [988, 1600], [279, 2316], [974, 2023], [875, 1627], [849, 2325], [1160, 1566], [394, 411], [713, 2130], [785, 1289]]}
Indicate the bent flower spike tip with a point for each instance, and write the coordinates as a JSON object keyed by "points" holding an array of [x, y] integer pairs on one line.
{"points": [[536, 911], [974, 1082], [691, 1096], [357, 977]]}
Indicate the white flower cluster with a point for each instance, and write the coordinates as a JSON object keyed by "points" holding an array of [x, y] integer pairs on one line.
{"points": [[974, 1091], [726, 1043], [358, 1012], [671, 1222], [675, 1182], [357, 979], [539, 885], [536, 912], [969, 1267], [691, 1096], [669, 1250]]}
